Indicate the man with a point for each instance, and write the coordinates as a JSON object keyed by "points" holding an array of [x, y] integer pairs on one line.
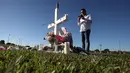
{"points": [[85, 21], [64, 36]]}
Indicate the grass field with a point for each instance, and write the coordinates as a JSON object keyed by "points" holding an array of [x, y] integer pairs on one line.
{"points": [[41, 62]]}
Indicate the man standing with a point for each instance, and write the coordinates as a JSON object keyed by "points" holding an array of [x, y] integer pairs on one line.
{"points": [[85, 21]]}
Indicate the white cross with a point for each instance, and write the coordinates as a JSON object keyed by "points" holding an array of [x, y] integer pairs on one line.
{"points": [[57, 22]]}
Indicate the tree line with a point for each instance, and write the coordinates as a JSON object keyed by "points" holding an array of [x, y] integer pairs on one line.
{"points": [[6, 45]]}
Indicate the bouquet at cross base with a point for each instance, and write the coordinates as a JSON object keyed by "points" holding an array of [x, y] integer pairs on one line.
{"points": [[54, 38]]}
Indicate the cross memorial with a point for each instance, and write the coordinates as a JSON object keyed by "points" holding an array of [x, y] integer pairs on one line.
{"points": [[57, 22]]}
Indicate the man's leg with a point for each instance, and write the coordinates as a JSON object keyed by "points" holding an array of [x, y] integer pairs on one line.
{"points": [[83, 40], [71, 43], [70, 40], [88, 39]]}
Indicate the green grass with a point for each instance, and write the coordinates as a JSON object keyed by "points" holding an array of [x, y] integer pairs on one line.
{"points": [[41, 62]]}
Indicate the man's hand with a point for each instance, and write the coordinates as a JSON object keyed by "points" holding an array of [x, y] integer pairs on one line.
{"points": [[79, 17]]}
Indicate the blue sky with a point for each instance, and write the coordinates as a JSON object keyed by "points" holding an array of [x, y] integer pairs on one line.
{"points": [[24, 19]]}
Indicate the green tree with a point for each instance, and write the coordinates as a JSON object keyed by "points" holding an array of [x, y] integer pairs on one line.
{"points": [[106, 50], [27, 46], [8, 43], [2, 42], [12, 44], [97, 50]]}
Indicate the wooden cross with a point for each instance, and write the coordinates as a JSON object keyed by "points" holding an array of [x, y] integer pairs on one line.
{"points": [[57, 22]]}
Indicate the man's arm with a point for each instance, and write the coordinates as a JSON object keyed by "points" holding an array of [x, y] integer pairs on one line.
{"points": [[79, 18], [88, 19]]}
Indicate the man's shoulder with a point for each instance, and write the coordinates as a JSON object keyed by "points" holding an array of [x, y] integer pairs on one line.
{"points": [[88, 15]]}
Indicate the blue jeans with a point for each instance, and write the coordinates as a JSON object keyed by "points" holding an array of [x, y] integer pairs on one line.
{"points": [[87, 38]]}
